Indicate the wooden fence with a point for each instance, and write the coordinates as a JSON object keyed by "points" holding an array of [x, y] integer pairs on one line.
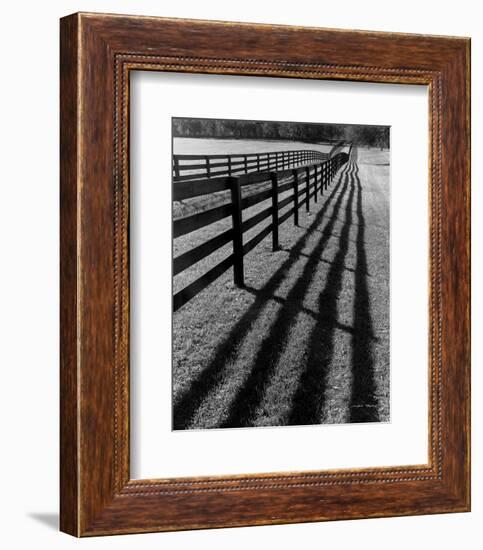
{"points": [[305, 183], [194, 167]]}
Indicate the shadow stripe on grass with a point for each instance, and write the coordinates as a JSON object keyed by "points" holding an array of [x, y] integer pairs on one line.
{"points": [[364, 404]]}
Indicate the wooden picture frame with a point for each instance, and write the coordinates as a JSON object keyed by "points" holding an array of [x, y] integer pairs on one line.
{"points": [[97, 54]]}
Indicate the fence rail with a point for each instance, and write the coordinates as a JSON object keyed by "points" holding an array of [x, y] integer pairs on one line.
{"points": [[195, 167], [306, 183]]}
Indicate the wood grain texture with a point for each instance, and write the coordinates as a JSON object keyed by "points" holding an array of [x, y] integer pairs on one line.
{"points": [[97, 54], [69, 433]]}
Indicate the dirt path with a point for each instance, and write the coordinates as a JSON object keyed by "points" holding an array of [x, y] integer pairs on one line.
{"points": [[307, 340]]}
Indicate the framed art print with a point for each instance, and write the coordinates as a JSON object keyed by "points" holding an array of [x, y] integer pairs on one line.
{"points": [[264, 274]]}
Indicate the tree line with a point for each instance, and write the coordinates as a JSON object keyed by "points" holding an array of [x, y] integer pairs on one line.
{"points": [[365, 135]]}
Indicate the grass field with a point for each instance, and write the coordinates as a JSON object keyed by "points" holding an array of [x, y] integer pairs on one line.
{"points": [[182, 146], [307, 340]]}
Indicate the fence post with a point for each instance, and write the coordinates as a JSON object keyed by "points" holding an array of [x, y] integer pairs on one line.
{"points": [[229, 165], [238, 275], [207, 159], [274, 178], [321, 179], [295, 197], [176, 166], [315, 183], [307, 190], [246, 165], [258, 162]]}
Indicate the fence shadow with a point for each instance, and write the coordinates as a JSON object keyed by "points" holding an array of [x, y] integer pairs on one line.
{"points": [[249, 396], [309, 398], [189, 401], [364, 403]]}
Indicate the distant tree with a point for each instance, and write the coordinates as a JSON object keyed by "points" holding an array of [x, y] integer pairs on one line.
{"points": [[373, 136]]}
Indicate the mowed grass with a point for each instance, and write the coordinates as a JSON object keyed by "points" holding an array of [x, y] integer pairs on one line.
{"points": [[307, 340], [187, 146]]}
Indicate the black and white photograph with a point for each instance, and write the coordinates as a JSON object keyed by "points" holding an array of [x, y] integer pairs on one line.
{"points": [[280, 273]]}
